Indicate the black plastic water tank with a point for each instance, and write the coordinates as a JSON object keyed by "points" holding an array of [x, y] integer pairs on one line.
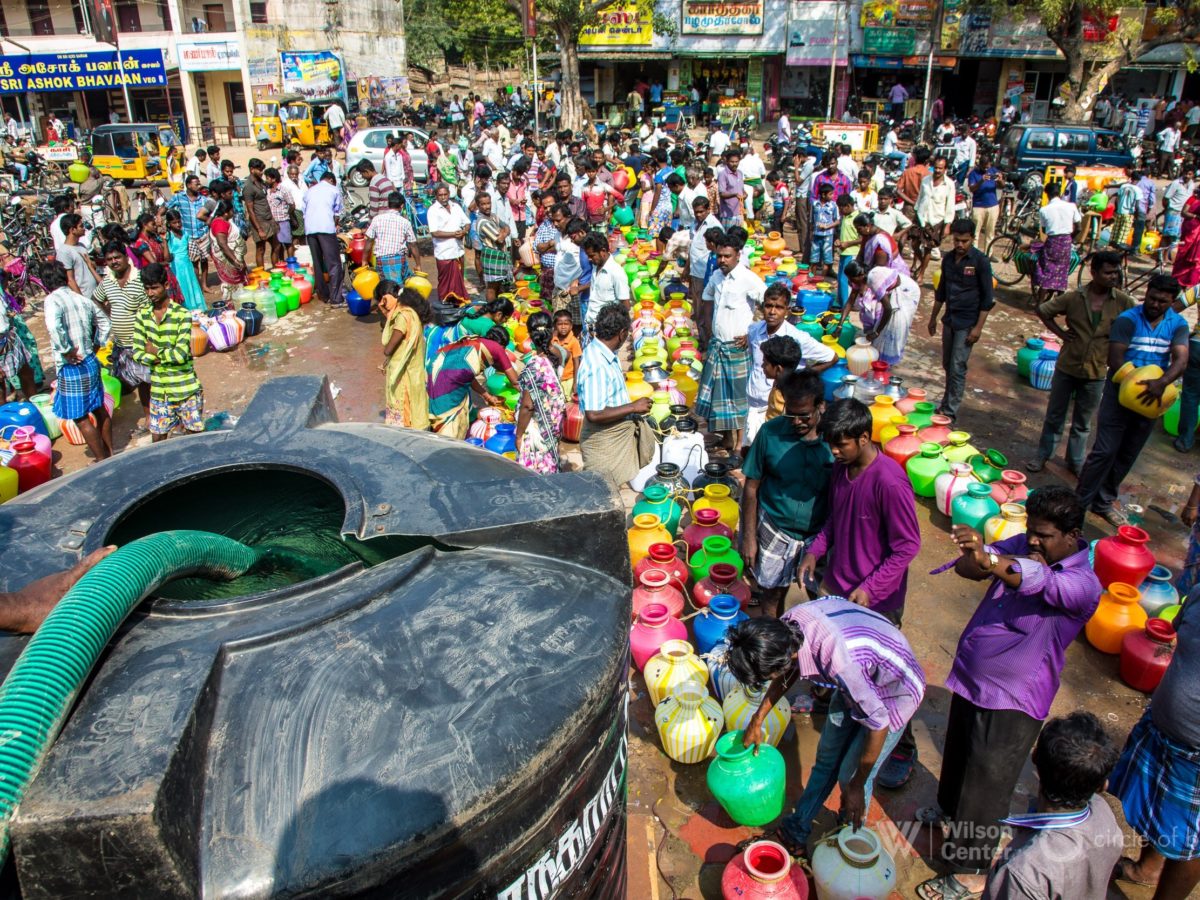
{"points": [[449, 722]]}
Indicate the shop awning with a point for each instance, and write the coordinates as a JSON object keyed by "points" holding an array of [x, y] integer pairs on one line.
{"points": [[1168, 56]]}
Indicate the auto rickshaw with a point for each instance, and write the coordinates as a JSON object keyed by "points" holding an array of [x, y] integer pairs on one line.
{"points": [[133, 152], [266, 125]]}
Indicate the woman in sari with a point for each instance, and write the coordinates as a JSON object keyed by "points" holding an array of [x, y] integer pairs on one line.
{"points": [[181, 263], [878, 248], [543, 403], [456, 371], [149, 248], [1187, 258], [887, 303], [405, 313], [227, 250]]}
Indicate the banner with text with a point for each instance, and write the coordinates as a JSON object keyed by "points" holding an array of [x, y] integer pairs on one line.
{"points": [[622, 25], [896, 13], [715, 17], [37, 73], [817, 29], [209, 56]]}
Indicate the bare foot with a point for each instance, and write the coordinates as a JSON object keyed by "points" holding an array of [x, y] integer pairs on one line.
{"points": [[1146, 874]]}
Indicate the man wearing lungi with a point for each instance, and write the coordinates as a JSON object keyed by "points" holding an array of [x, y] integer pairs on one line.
{"points": [[729, 303]]}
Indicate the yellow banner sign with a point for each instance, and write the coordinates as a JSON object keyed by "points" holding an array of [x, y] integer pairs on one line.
{"points": [[619, 26]]}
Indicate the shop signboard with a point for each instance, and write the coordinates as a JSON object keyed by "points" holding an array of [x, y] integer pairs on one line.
{"points": [[622, 25], [376, 92], [316, 75], [1019, 36], [716, 17], [953, 12], [264, 77], [889, 41], [896, 13], [209, 56], [100, 70], [818, 31]]}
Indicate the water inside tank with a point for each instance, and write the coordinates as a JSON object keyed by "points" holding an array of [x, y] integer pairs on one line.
{"points": [[295, 517]]}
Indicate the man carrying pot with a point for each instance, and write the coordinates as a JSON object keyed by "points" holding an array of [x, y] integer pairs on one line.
{"points": [[1005, 674]]}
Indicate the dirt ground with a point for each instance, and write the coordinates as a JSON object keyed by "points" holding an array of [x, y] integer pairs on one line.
{"points": [[679, 839]]}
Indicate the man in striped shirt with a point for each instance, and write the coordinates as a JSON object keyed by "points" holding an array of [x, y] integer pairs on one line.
{"points": [[379, 187], [878, 686], [611, 442], [163, 342], [122, 296]]}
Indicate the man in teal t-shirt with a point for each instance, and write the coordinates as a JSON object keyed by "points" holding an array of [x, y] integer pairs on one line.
{"points": [[785, 499]]}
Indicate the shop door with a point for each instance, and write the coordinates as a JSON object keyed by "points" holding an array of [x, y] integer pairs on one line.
{"points": [[237, 109]]}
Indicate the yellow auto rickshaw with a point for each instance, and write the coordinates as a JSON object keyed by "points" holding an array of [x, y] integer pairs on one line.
{"points": [[266, 124], [133, 152]]}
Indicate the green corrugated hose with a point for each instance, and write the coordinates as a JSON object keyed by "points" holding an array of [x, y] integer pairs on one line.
{"points": [[41, 687]]}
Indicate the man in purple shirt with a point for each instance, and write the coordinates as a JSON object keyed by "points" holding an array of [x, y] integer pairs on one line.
{"points": [[731, 185], [831, 176], [877, 684], [1006, 672], [869, 539]]}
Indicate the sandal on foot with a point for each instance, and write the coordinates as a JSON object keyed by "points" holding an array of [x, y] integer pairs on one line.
{"points": [[932, 815], [945, 887], [1121, 873], [896, 770]]}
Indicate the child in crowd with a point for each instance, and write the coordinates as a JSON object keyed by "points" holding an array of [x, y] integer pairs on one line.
{"points": [[162, 341], [865, 198], [889, 217], [846, 246], [824, 221], [672, 247], [565, 338], [1068, 846], [779, 198]]}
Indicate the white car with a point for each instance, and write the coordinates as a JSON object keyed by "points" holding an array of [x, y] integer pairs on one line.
{"points": [[369, 143]]}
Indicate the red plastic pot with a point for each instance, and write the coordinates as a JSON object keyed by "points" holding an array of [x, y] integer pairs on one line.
{"points": [[1123, 557], [1146, 654]]}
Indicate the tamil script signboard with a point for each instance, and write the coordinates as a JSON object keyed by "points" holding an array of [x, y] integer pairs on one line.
{"points": [[36, 73], [619, 26], [209, 56], [709, 17], [889, 41], [816, 31]]}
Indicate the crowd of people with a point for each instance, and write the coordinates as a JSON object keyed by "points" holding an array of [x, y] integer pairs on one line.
{"points": [[822, 507]]}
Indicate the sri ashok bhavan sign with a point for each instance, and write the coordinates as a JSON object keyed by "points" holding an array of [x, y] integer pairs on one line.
{"points": [[709, 17], [85, 71]]}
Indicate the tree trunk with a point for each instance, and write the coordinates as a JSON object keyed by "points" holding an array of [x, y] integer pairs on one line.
{"points": [[569, 93]]}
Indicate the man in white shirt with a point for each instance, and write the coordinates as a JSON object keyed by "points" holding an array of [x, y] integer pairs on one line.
{"points": [[491, 150], [1193, 122], [846, 163], [322, 204], [702, 213], [1059, 219], [63, 204], [804, 165], [718, 142], [609, 282], [729, 303], [1167, 140], [935, 210], [335, 118], [813, 354], [693, 189], [891, 147], [1174, 196], [783, 129], [212, 169], [753, 172], [448, 226], [1101, 112], [965, 150]]}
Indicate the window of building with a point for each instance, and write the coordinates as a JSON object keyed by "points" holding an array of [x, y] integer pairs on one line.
{"points": [[3, 23], [128, 18], [77, 13], [164, 14], [258, 13], [40, 21], [214, 16]]}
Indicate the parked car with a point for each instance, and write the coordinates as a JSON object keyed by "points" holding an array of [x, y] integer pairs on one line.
{"points": [[1028, 147], [369, 143]]}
